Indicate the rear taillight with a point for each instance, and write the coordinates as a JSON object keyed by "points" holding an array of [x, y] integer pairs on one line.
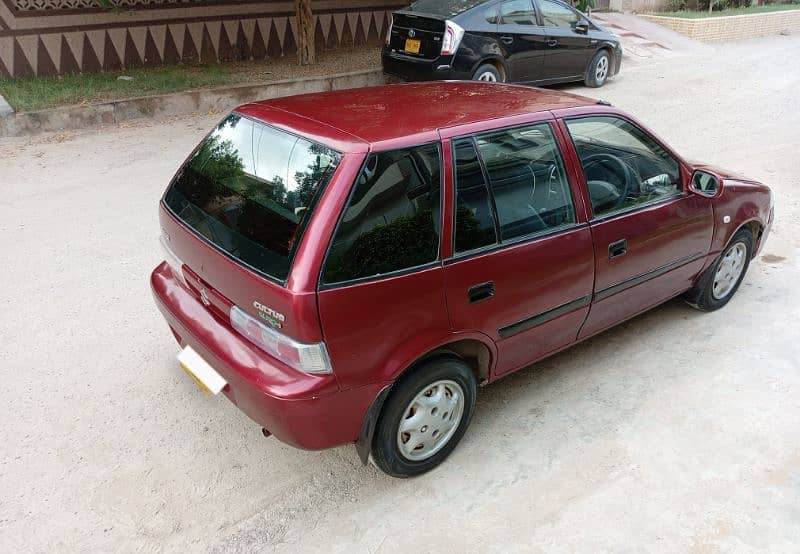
{"points": [[453, 34], [174, 262], [308, 358], [388, 38]]}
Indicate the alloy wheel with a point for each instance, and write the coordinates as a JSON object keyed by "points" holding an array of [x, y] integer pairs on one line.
{"points": [[601, 70]]}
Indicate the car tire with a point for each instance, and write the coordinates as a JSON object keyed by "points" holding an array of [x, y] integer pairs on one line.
{"points": [[599, 69], [487, 72], [720, 282], [435, 399]]}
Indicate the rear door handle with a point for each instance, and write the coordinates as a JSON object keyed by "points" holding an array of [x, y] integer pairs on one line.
{"points": [[552, 42], [478, 293], [507, 39], [617, 249]]}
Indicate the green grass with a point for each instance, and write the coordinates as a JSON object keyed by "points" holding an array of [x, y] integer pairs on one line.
{"points": [[732, 11], [36, 93], [27, 94]]}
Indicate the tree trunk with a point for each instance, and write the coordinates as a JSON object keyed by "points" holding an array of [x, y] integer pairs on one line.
{"points": [[306, 51]]}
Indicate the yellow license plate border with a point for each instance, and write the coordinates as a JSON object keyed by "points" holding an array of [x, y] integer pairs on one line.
{"points": [[202, 386]]}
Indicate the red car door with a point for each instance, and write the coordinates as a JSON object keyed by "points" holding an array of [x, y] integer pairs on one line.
{"points": [[522, 265], [650, 235]]}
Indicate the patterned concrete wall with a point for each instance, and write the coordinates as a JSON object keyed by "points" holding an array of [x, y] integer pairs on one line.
{"points": [[47, 37], [734, 27]]}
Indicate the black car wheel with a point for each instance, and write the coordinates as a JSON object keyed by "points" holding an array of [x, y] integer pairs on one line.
{"points": [[425, 416], [599, 69], [487, 72]]}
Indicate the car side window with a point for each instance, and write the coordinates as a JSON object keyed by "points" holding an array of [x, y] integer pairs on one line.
{"points": [[555, 14], [624, 167], [392, 219], [527, 180], [474, 215], [518, 12]]}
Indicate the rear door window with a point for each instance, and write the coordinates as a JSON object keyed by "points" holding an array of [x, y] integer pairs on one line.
{"points": [[249, 189], [392, 219], [475, 225], [527, 180], [517, 12]]}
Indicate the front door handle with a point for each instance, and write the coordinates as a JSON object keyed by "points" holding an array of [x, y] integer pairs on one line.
{"points": [[617, 249], [478, 293], [552, 42], [507, 39]]}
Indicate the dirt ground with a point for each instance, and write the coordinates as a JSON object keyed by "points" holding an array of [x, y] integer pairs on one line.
{"points": [[677, 431]]}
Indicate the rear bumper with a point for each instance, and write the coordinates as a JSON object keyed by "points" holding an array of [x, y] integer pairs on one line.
{"points": [[306, 411], [413, 69]]}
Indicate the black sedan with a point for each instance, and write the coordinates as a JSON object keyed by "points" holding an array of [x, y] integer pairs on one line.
{"points": [[522, 41]]}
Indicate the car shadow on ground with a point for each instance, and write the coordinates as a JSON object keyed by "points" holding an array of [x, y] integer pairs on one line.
{"points": [[525, 395]]}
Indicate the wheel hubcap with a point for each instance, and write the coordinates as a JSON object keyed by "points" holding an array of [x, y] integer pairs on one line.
{"points": [[601, 70], [729, 270], [487, 76], [430, 420]]}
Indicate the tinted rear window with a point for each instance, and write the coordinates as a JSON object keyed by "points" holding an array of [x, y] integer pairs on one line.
{"points": [[444, 8], [250, 189]]}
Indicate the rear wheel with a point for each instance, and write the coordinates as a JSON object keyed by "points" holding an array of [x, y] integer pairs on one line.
{"points": [[424, 418], [489, 73], [721, 281], [599, 69]]}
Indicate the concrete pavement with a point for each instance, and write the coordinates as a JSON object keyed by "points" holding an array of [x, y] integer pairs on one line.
{"points": [[677, 431]]}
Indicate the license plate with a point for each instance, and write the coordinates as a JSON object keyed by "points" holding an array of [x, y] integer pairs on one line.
{"points": [[205, 376], [412, 45]]}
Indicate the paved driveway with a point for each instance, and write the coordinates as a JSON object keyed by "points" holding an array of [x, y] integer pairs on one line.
{"points": [[677, 431]]}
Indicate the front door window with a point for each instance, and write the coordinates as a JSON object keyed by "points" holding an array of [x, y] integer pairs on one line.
{"points": [[623, 166]]}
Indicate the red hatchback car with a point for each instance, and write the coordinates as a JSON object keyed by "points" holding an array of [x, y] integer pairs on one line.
{"points": [[347, 267]]}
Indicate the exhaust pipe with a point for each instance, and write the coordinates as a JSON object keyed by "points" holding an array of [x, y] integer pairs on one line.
{"points": [[266, 433]]}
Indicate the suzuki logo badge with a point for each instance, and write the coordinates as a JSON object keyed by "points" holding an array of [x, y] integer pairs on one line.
{"points": [[411, 33], [204, 298]]}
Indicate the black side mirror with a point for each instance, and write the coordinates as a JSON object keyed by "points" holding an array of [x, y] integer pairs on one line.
{"points": [[705, 183], [581, 26]]}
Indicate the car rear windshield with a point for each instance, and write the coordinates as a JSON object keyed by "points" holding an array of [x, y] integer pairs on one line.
{"points": [[249, 189], [444, 8]]}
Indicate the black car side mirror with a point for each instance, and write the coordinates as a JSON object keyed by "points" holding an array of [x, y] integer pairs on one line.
{"points": [[705, 183], [581, 27]]}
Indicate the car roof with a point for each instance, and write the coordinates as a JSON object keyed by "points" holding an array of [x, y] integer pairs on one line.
{"points": [[411, 112]]}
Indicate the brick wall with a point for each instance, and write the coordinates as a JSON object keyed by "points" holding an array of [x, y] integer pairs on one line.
{"points": [[734, 27]]}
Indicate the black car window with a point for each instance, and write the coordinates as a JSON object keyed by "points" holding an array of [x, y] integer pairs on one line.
{"points": [[250, 190], [392, 219], [474, 215], [445, 8], [556, 14], [527, 180], [623, 166], [517, 12]]}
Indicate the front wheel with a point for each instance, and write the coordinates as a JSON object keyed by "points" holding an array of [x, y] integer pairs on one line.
{"points": [[424, 418], [719, 283], [598, 70]]}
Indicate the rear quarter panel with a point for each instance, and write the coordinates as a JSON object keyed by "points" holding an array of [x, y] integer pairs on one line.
{"points": [[374, 330]]}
